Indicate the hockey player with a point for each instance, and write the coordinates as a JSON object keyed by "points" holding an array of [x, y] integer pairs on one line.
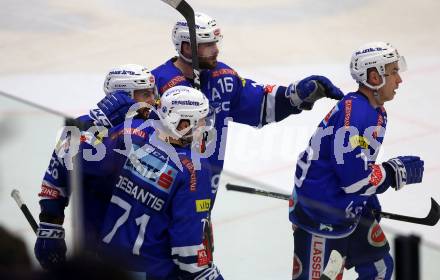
{"points": [[337, 177], [233, 97], [124, 85], [155, 221]]}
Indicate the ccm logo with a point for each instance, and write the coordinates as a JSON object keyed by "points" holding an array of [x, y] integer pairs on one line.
{"points": [[50, 233]]}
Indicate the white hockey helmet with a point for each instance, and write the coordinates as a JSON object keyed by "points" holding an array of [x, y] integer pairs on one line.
{"points": [[377, 55], [207, 31], [128, 78], [182, 103]]}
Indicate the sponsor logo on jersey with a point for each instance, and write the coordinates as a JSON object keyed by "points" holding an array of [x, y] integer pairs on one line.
{"points": [[269, 89], [50, 233], [151, 168], [243, 82], [316, 257], [376, 176], [359, 141], [202, 258], [376, 237], [297, 267], [224, 71], [84, 138], [348, 107], [129, 131], [203, 205], [165, 180], [330, 114], [291, 202], [173, 82], [49, 192], [193, 180]]}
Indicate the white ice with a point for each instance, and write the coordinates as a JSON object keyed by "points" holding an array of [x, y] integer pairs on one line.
{"points": [[56, 54]]}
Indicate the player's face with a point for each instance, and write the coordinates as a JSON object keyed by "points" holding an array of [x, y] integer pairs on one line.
{"points": [[392, 81], [208, 53], [147, 96]]}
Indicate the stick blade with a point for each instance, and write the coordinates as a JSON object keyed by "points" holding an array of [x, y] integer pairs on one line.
{"points": [[434, 214]]}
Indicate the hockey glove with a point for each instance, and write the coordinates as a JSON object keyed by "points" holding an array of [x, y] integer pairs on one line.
{"points": [[50, 247], [407, 170], [306, 92], [112, 109]]}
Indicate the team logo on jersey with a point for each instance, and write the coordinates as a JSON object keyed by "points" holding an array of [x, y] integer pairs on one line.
{"points": [[203, 205], [297, 267], [376, 237], [359, 141]]}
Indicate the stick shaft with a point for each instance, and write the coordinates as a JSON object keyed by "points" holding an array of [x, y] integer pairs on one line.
{"points": [[24, 209]]}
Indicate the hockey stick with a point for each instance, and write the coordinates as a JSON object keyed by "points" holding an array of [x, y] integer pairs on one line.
{"points": [[188, 13], [69, 121], [430, 220], [16, 196]]}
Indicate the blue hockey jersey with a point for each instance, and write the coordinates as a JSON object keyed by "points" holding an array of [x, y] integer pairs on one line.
{"points": [[159, 205], [336, 176], [55, 187], [233, 98]]}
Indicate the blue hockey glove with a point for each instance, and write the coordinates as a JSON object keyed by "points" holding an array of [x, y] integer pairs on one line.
{"points": [[112, 109], [306, 92], [407, 170], [50, 247]]}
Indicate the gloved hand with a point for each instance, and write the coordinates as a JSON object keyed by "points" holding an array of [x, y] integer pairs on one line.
{"points": [[304, 93], [407, 170], [112, 109], [50, 247]]}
